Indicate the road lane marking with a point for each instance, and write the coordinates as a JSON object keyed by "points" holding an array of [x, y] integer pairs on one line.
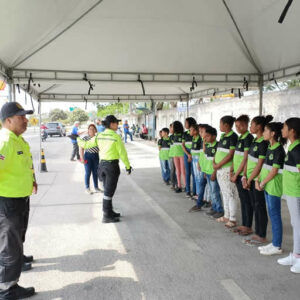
{"points": [[234, 290], [165, 217]]}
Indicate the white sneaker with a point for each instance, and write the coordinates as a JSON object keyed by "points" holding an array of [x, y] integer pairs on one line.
{"points": [[97, 190], [296, 266], [272, 250], [287, 261], [264, 247], [88, 191]]}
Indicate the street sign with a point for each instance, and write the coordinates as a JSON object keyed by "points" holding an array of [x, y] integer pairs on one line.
{"points": [[33, 121]]}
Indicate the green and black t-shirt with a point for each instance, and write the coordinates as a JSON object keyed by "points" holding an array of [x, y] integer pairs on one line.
{"points": [[274, 159], [210, 152], [196, 146], [227, 142], [243, 144], [176, 147], [258, 149], [165, 144], [291, 174], [187, 139]]}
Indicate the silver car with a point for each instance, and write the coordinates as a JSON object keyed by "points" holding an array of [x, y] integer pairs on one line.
{"points": [[55, 128]]}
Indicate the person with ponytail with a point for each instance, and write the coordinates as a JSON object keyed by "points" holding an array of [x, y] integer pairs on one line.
{"points": [[237, 172], [222, 163], [188, 164], [178, 154], [291, 189], [270, 180], [256, 158]]}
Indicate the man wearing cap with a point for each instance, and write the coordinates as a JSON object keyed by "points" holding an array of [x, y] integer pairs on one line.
{"points": [[17, 183], [111, 149]]}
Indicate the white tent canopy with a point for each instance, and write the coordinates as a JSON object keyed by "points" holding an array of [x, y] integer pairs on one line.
{"points": [[165, 44]]}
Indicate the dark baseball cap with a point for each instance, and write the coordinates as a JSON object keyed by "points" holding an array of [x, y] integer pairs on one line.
{"points": [[111, 119], [11, 109]]}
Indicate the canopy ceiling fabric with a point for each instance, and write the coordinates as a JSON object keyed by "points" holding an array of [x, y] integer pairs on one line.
{"points": [[142, 36]]}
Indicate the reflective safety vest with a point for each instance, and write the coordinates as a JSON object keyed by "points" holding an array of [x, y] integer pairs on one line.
{"points": [[110, 144], [16, 167]]}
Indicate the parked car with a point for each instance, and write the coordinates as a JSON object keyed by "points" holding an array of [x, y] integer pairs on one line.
{"points": [[55, 128]]}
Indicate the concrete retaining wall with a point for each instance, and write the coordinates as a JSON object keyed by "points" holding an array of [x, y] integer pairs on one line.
{"points": [[282, 105]]}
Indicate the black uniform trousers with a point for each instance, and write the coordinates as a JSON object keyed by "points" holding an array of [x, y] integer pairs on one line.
{"points": [[260, 210], [108, 173], [14, 214], [246, 205]]}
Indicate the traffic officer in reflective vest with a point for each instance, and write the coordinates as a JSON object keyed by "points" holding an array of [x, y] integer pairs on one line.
{"points": [[111, 149], [17, 183]]}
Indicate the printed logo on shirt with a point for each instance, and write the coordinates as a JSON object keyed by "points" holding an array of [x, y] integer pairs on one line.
{"points": [[225, 142], [271, 157], [2, 157], [286, 158], [240, 145], [20, 152], [213, 151], [255, 148]]}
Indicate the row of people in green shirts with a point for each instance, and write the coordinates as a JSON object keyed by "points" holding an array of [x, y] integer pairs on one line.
{"points": [[257, 170]]}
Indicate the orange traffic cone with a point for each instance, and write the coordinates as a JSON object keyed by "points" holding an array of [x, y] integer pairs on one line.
{"points": [[43, 162]]}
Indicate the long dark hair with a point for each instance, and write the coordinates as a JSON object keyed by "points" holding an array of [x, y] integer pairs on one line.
{"points": [[262, 120], [191, 121], [276, 128], [177, 127], [294, 123], [229, 120]]}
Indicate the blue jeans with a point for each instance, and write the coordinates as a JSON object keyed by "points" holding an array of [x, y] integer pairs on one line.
{"points": [[125, 135], [202, 185], [188, 172], [274, 210], [165, 170], [91, 166], [197, 173], [215, 194]]}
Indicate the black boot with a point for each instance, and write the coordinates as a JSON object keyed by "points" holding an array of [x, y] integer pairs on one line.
{"points": [[17, 292], [26, 267], [27, 259], [109, 216]]}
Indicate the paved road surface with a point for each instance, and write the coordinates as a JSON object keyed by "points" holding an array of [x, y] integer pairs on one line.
{"points": [[158, 251]]}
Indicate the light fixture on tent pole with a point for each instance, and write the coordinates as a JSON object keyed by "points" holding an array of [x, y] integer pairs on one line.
{"points": [[142, 84], [232, 91], [284, 12], [240, 95], [119, 100], [29, 82], [246, 84], [276, 82], [194, 83], [91, 86], [18, 87]]}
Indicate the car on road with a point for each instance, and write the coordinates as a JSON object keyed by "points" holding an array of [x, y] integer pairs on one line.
{"points": [[55, 128]]}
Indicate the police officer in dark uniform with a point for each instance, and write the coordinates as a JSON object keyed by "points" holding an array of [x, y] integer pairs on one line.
{"points": [[111, 149], [17, 183]]}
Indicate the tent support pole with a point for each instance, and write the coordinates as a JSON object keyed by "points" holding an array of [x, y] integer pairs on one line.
{"points": [[40, 133], [261, 94], [153, 119], [11, 92], [187, 107]]}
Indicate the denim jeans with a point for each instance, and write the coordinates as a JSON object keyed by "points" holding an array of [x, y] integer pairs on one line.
{"points": [[188, 172], [202, 185], [197, 173], [274, 210], [165, 170], [125, 136], [215, 194], [91, 167]]}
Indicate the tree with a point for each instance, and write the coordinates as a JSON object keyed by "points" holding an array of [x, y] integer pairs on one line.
{"points": [[78, 115], [57, 114], [112, 109]]}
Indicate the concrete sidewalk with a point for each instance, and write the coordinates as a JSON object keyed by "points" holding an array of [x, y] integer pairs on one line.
{"points": [[158, 251]]}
